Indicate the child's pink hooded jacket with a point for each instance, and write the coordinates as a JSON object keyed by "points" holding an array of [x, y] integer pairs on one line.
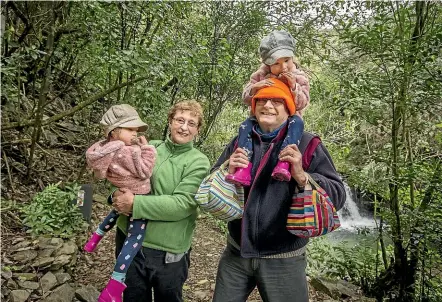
{"points": [[301, 93], [124, 166]]}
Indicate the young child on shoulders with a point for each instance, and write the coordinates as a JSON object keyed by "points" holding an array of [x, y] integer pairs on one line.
{"points": [[277, 52], [127, 161]]}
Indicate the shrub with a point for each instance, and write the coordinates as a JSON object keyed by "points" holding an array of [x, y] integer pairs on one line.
{"points": [[51, 213]]}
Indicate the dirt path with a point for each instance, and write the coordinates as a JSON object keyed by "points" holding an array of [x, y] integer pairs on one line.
{"points": [[208, 244]]}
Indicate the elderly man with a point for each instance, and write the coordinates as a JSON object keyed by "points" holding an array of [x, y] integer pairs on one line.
{"points": [[260, 251]]}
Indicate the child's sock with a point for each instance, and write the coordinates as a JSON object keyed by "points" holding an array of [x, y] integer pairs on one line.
{"points": [[120, 277], [99, 232]]}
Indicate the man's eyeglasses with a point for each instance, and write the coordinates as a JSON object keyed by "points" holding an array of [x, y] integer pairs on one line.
{"points": [[181, 121], [275, 102]]}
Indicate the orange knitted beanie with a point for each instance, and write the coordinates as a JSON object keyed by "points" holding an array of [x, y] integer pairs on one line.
{"points": [[279, 90]]}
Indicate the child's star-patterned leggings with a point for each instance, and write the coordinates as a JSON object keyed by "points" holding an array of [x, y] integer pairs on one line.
{"points": [[136, 230]]}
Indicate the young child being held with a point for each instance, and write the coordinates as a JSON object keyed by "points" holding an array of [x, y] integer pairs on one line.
{"points": [[127, 161], [277, 52]]}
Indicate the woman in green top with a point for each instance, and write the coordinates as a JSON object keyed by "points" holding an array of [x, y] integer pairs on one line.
{"points": [[162, 265]]}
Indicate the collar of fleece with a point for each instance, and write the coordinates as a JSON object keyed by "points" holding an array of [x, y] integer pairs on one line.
{"points": [[267, 137], [178, 148]]}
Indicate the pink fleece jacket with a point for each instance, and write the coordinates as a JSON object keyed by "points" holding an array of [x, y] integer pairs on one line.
{"points": [[124, 166], [301, 93]]}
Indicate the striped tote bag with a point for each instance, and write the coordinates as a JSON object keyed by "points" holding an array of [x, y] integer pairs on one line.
{"points": [[312, 212], [223, 200]]}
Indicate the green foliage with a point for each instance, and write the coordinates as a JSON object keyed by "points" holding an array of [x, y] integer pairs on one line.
{"points": [[220, 224], [375, 70], [352, 262], [51, 212]]}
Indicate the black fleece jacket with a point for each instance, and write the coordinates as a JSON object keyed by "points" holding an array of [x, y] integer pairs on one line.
{"points": [[262, 230]]}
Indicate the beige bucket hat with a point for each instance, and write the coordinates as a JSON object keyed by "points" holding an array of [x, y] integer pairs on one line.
{"points": [[122, 116]]}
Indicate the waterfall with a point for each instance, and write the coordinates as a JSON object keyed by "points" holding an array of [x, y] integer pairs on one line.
{"points": [[350, 216]]}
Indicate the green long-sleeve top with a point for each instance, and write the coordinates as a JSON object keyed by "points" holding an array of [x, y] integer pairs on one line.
{"points": [[171, 209]]}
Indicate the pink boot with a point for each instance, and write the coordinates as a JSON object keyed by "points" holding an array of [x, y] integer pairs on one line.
{"points": [[91, 245], [241, 176], [282, 171], [112, 292]]}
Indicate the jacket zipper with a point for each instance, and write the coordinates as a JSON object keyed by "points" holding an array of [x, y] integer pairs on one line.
{"points": [[263, 162]]}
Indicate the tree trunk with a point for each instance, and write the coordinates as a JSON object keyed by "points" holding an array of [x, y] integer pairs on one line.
{"points": [[44, 89]]}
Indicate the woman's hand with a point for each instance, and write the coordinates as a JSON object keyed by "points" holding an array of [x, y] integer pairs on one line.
{"points": [[238, 160], [259, 85], [123, 201], [292, 155]]}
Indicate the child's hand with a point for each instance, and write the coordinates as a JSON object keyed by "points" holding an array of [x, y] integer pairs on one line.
{"points": [[142, 140], [259, 85], [289, 78]]}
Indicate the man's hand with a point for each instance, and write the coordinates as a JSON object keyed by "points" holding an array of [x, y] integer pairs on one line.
{"points": [[238, 160], [123, 201], [292, 155], [259, 85]]}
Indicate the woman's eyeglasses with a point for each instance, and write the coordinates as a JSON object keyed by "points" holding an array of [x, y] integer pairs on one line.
{"points": [[181, 121]]}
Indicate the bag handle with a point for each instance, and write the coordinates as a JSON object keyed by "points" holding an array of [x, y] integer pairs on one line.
{"points": [[311, 182]]}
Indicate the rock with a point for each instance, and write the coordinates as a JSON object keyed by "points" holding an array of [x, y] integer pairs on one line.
{"points": [[57, 271], [5, 292], [347, 289], [49, 243], [6, 274], [43, 262], [68, 248], [21, 246], [45, 253], [35, 297], [63, 293], [29, 285], [62, 278], [26, 276], [74, 260], [326, 286], [19, 295], [24, 256], [87, 294], [61, 261], [201, 295], [48, 282], [11, 284], [17, 240]]}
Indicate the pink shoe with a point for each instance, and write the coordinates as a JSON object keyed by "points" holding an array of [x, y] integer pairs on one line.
{"points": [[91, 245], [112, 292], [281, 171], [241, 176]]}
